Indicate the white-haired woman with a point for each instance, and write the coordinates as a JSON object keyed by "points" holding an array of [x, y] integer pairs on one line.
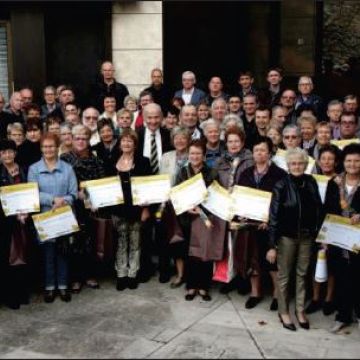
{"points": [[295, 217], [214, 146]]}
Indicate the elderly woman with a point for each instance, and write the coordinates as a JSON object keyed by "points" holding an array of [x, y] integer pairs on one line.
{"points": [[263, 176], [171, 163], [66, 139], [205, 245], [16, 133], [127, 218], [307, 125], [15, 290], [214, 146], [107, 150], [291, 137], [294, 220], [57, 187], [343, 198], [232, 120], [323, 138], [87, 167]]}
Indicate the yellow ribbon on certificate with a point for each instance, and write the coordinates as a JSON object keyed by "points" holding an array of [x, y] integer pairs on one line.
{"points": [[251, 203], [153, 189], [338, 231], [20, 198], [342, 143], [55, 223], [188, 194]]}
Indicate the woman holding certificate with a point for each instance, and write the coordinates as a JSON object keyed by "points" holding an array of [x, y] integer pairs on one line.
{"points": [[295, 218], [263, 176], [201, 228], [344, 200], [87, 166], [58, 187], [127, 218], [13, 278]]}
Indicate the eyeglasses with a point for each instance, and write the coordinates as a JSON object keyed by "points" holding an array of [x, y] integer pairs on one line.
{"points": [[296, 163], [288, 137], [81, 139]]}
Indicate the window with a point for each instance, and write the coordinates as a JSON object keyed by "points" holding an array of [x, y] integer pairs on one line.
{"points": [[4, 60]]}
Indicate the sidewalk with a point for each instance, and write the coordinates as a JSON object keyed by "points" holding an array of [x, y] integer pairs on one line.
{"points": [[155, 321]]}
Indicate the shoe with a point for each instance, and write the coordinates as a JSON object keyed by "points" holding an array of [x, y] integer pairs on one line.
{"points": [[164, 278], [244, 287], [289, 326], [65, 295], [144, 277], [121, 283], [13, 305], [206, 296], [49, 296], [177, 283], [132, 283], [338, 325], [274, 305], [252, 301], [328, 308], [92, 284], [304, 325], [226, 288], [76, 287], [190, 297], [314, 306]]}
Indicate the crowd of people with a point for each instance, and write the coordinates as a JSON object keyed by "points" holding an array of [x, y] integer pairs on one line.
{"points": [[230, 138]]}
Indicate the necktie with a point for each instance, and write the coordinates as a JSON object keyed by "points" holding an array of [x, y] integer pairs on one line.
{"points": [[154, 162]]}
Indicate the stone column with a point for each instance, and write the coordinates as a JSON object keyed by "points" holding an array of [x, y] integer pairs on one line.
{"points": [[137, 45]]}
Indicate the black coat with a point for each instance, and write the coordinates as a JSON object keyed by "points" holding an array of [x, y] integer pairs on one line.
{"points": [[5, 120], [287, 208], [108, 157], [28, 153]]}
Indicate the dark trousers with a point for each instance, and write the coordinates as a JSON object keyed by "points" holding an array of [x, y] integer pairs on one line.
{"points": [[199, 274], [347, 273]]}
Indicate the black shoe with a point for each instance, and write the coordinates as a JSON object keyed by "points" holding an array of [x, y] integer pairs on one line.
{"points": [[328, 308], [132, 283], [65, 295], [226, 288], [244, 287], [205, 297], [252, 301], [177, 283], [274, 305], [289, 326], [49, 296], [190, 297], [121, 283], [164, 278], [314, 306], [305, 325]]}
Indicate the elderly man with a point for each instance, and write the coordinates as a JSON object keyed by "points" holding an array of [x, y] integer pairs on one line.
{"points": [[291, 137], [108, 86], [189, 93], [306, 96], [15, 108], [90, 117], [145, 98], [219, 110], [189, 119], [278, 116], [216, 90], [287, 100], [334, 110], [27, 96], [50, 103], [348, 126]]}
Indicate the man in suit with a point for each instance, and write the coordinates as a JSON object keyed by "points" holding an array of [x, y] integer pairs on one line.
{"points": [[154, 141], [189, 93]]}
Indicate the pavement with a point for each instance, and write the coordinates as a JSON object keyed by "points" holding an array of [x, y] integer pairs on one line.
{"points": [[155, 321]]}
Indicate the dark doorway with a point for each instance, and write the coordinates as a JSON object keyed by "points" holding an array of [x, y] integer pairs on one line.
{"points": [[212, 38], [78, 39]]}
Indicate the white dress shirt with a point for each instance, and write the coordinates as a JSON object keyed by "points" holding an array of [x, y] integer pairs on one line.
{"points": [[187, 95], [147, 144]]}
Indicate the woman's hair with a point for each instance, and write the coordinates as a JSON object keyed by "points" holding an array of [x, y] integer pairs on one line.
{"points": [[81, 130], [331, 149], [7, 145], [130, 98], [33, 124], [180, 130], [209, 122], [297, 152], [123, 111], [32, 106], [50, 120], [232, 117], [351, 149], [15, 127], [65, 126], [306, 118], [50, 137], [198, 143], [130, 133], [266, 140], [234, 130], [105, 122]]}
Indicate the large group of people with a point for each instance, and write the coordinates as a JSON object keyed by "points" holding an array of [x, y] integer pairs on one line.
{"points": [[230, 138]]}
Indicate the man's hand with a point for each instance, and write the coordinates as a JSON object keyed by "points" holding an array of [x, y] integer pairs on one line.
{"points": [[271, 256]]}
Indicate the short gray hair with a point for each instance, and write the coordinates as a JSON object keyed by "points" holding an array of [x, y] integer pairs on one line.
{"points": [[188, 74], [220, 99], [334, 102], [130, 98], [180, 130], [290, 127], [209, 122], [308, 78], [233, 117], [154, 106], [65, 126], [297, 152]]}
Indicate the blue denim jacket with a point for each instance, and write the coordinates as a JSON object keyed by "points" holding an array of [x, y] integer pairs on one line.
{"points": [[61, 182]]}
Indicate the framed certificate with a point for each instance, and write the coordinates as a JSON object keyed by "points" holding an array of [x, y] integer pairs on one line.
{"points": [[104, 192], [150, 189], [342, 143], [219, 202], [20, 199], [55, 223], [188, 194], [337, 230], [280, 160], [251, 203], [322, 182]]}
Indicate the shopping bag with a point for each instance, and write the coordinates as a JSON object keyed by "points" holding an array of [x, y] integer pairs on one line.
{"points": [[19, 245], [225, 269], [104, 238]]}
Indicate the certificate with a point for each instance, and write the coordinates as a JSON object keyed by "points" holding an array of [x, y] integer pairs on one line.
{"points": [[55, 223], [336, 230], [150, 189], [322, 182], [251, 203], [219, 202], [188, 194], [104, 192], [280, 160], [20, 199], [342, 143]]}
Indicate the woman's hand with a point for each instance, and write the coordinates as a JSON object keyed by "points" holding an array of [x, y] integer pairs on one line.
{"points": [[355, 219], [194, 211], [271, 256], [145, 214], [58, 202], [263, 226]]}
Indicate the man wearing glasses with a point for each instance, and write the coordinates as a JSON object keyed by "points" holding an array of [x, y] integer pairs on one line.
{"points": [[291, 137], [90, 118], [287, 100]]}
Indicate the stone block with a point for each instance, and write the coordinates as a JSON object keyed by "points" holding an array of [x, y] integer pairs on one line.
{"points": [[298, 8], [137, 7]]}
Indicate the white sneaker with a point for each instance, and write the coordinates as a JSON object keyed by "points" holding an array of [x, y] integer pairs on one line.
{"points": [[338, 325]]}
